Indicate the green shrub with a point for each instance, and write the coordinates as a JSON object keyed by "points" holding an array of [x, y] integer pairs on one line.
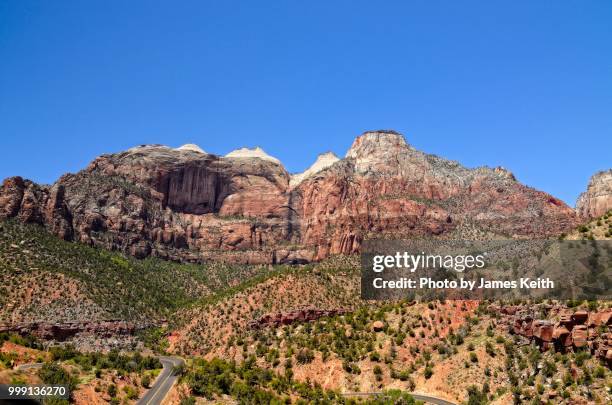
{"points": [[145, 381], [428, 372], [54, 374], [305, 356], [549, 368], [475, 396], [112, 390]]}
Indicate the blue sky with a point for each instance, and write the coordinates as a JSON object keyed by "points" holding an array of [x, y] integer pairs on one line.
{"points": [[523, 84]]}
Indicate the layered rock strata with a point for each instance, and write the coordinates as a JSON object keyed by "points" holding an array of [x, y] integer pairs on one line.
{"points": [[568, 331], [188, 205], [597, 199]]}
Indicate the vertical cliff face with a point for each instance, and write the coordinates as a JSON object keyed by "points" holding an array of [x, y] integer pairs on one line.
{"points": [[11, 197], [597, 199], [186, 204], [183, 180]]}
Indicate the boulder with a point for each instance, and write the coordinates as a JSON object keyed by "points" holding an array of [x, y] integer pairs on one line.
{"points": [[574, 372], [543, 330], [580, 317], [600, 318], [565, 318], [377, 326], [579, 335], [527, 326], [563, 336]]}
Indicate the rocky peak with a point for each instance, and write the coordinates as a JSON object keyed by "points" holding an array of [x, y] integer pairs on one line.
{"points": [[376, 142], [597, 199], [191, 147], [505, 173], [379, 152], [256, 152], [145, 147], [324, 160]]}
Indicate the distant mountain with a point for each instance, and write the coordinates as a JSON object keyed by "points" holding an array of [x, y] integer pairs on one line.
{"points": [[597, 199], [185, 204]]}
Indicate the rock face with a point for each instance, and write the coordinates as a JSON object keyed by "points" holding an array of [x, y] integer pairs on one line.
{"points": [[572, 331], [184, 204], [597, 199], [64, 331], [287, 318]]}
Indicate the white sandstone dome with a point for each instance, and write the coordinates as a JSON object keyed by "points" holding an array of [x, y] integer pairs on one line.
{"points": [[256, 152], [323, 161], [192, 147]]}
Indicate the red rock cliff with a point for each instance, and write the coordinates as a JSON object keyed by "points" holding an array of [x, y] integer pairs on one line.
{"points": [[184, 204], [597, 199]]}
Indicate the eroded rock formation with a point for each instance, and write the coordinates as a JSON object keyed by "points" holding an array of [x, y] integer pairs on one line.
{"points": [[287, 318], [185, 204], [67, 330], [597, 199], [579, 330]]}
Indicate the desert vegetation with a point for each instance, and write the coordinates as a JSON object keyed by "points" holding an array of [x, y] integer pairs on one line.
{"points": [[249, 384], [42, 274], [596, 229]]}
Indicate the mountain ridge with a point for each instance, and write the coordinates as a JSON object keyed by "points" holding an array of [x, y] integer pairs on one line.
{"points": [[182, 204]]}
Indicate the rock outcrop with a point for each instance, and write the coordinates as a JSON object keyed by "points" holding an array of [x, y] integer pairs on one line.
{"points": [[185, 204], [597, 199], [378, 326], [287, 318], [579, 330], [68, 330]]}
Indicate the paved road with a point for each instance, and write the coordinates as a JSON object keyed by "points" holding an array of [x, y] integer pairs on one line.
{"points": [[28, 366], [157, 393], [166, 380], [419, 397], [24, 367], [432, 400], [163, 383]]}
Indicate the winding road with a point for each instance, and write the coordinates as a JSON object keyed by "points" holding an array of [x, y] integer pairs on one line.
{"points": [[28, 366], [166, 380], [428, 399], [163, 383]]}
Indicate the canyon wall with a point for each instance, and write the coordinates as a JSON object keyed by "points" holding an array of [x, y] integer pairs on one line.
{"points": [[597, 199], [187, 205]]}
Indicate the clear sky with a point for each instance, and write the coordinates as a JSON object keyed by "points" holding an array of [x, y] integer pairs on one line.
{"points": [[522, 84]]}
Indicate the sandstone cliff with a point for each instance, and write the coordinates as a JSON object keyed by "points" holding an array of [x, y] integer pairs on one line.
{"points": [[597, 199], [184, 204]]}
